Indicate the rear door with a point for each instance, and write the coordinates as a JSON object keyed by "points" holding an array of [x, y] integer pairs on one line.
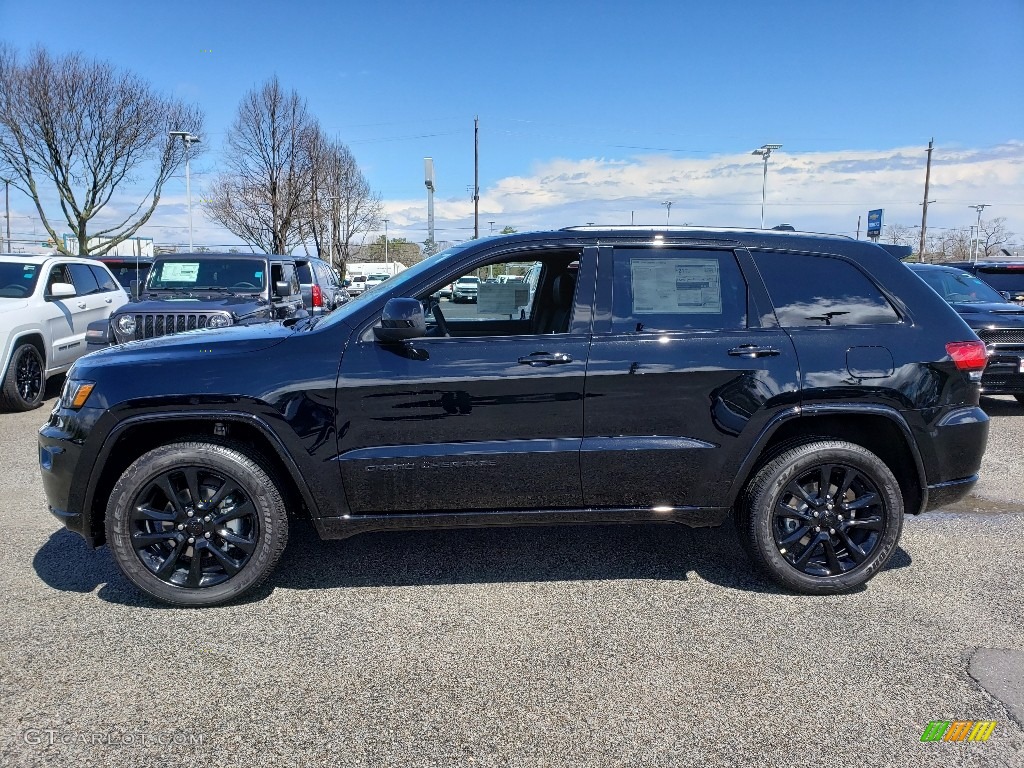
{"points": [[687, 365]]}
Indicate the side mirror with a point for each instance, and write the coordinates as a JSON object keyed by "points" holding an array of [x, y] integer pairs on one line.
{"points": [[1006, 295], [283, 288], [61, 291], [402, 319]]}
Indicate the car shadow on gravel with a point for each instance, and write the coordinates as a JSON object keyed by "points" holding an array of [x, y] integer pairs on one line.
{"points": [[446, 557]]}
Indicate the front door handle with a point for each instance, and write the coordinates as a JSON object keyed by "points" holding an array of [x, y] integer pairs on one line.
{"points": [[546, 358], [81, 305], [109, 301], [752, 350]]}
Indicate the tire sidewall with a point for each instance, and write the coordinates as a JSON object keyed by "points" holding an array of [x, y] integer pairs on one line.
{"points": [[241, 470], [796, 462], [12, 394]]}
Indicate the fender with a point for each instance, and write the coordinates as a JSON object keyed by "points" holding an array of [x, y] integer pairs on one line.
{"points": [[830, 409], [279, 447]]}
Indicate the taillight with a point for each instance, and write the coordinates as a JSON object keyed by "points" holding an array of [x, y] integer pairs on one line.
{"points": [[318, 296], [968, 355]]}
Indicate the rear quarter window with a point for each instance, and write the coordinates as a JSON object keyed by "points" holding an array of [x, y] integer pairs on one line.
{"points": [[813, 290]]}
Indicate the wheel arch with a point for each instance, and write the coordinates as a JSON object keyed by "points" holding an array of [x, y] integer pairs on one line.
{"points": [[244, 432], [33, 337], [879, 429]]}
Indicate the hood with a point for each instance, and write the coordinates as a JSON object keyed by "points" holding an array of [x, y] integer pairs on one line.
{"points": [[213, 302], [200, 344], [7, 306], [992, 315]]}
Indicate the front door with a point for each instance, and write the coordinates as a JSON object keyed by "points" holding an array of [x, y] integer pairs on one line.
{"points": [[487, 417]]}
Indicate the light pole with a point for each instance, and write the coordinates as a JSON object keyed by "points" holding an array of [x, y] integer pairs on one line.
{"points": [[386, 260], [492, 226], [765, 151], [7, 210], [189, 140], [668, 211], [977, 232]]}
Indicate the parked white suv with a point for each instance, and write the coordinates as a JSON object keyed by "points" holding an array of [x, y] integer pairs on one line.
{"points": [[46, 305]]}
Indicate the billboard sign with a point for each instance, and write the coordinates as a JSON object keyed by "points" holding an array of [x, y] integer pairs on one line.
{"points": [[875, 223]]}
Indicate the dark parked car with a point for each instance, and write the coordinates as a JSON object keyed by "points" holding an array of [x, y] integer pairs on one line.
{"points": [[130, 271], [810, 387], [322, 291], [998, 322], [1006, 276], [191, 291]]}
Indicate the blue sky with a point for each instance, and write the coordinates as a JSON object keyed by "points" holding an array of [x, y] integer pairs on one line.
{"points": [[601, 111]]}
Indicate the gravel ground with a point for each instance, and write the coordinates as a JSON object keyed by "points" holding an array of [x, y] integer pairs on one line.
{"points": [[591, 646]]}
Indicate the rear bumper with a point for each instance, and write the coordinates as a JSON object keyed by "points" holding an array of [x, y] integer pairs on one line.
{"points": [[952, 451], [944, 494]]}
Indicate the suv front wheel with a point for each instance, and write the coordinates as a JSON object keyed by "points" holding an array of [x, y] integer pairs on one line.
{"points": [[196, 524], [24, 384], [823, 517]]}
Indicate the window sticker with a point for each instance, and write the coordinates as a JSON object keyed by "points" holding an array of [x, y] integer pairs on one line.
{"points": [[179, 272], [501, 298], [676, 286], [258, 275]]}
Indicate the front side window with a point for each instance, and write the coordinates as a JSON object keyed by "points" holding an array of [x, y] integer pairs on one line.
{"points": [[497, 299], [83, 279], [665, 289], [812, 290]]}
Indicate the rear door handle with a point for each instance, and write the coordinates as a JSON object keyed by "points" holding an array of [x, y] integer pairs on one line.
{"points": [[81, 305], [546, 358], [752, 350]]}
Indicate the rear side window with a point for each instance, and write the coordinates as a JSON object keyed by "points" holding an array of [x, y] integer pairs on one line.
{"points": [[809, 290], [659, 289]]}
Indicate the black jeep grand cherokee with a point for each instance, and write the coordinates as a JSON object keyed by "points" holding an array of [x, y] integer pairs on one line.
{"points": [[810, 386]]}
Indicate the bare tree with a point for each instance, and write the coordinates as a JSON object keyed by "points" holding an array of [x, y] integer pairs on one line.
{"points": [[993, 236], [900, 234], [87, 129], [261, 196]]}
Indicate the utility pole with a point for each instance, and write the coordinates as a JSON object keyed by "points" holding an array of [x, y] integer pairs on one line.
{"points": [[668, 211], [977, 236], [386, 240], [428, 180], [858, 227], [924, 205], [476, 177]]}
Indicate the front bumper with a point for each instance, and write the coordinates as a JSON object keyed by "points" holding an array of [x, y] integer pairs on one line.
{"points": [[64, 475], [1004, 374]]}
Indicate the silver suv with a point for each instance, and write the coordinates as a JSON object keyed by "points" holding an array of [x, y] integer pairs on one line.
{"points": [[46, 305]]}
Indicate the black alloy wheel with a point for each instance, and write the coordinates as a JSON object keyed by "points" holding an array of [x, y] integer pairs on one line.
{"points": [[823, 517], [25, 382], [196, 523]]}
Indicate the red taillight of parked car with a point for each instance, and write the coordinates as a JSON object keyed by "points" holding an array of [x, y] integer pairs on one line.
{"points": [[968, 355], [318, 296]]}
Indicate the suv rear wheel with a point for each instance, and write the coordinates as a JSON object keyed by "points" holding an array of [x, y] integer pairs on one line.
{"points": [[196, 524], [823, 517], [24, 384]]}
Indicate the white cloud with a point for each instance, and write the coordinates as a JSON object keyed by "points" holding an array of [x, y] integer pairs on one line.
{"points": [[821, 191]]}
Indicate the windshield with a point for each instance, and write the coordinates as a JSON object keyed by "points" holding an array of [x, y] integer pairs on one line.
{"points": [[207, 274], [396, 284], [468, 280], [378, 277], [959, 287], [17, 280]]}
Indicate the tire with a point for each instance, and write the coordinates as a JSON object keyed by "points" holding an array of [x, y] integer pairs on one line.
{"points": [[782, 507], [154, 529], [24, 385]]}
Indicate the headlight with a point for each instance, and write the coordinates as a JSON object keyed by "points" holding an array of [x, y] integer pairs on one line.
{"points": [[75, 393], [126, 324], [218, 321]]}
